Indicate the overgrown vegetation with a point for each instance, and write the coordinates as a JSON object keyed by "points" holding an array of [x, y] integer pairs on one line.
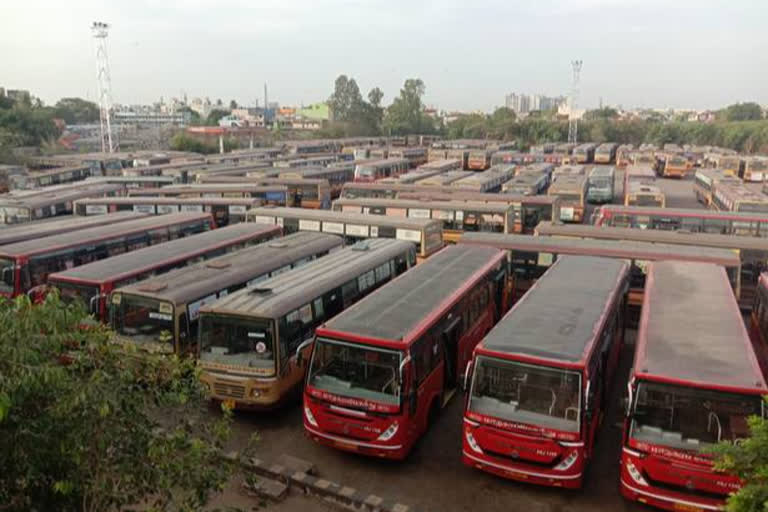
{"points": [[103, 429], [185, 142]]}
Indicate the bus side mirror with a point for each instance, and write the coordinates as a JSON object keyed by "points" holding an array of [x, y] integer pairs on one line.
{"points": [[93, 304], [467, 375], [8, 275], [300, 350]]}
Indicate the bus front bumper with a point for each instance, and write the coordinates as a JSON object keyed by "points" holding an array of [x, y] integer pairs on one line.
{"points": [[381, 450], [654, 498], [245, 393], [521, 474]]}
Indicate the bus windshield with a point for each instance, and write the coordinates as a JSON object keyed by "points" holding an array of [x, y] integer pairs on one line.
{"points": [[365, 172], [71, 292], [687, 418], [356, 371], [238, 342], [758, 165], [600, 182], [8, 270], [141, 319], [536, 395]]}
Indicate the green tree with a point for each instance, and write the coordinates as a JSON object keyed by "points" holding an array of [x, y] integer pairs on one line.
{"points": [[76, 111], [748, 459], [346, 101], [215, 115], [748, 111], [406, 114], [86, 425], [601, 113], [183, 142], [232, 104]]}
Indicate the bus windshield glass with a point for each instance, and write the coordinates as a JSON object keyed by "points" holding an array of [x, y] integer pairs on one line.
{"points": [[685, 418], [238, 342], [600, 183], [141, 319], [758, 165], [71, 292], [8, 269], [535, 395], [365, 172], [355, 371]]}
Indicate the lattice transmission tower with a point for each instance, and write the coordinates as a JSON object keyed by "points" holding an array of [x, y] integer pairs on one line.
{"points": [[100, 32], [573, 122]]}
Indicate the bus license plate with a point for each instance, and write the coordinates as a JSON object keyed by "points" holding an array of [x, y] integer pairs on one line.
{"points": [[684, 507], [346, 446]]}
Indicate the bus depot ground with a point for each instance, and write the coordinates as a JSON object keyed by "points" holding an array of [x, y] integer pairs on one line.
{"points": [[433, 477]]}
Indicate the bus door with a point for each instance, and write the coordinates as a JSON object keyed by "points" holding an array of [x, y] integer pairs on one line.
{"points": [[450, 340]]}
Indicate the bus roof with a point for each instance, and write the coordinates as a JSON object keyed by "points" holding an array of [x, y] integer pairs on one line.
{"points": [[398, 311], [559, 318], [206, 187], [599, 171], [568, 183], [203, 279], [58, 225], [547, 228], [478, 197], [247, 201], [479, 206], [284, 293], [63, 240], [691, 330], [616, 209], [127, 264], [604, 248], [46, 198], [352, 218]]}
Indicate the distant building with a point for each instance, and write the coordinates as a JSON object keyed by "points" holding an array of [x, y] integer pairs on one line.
{"points": [[523, 104], [316, 111], [203, 107], [142, 115], [18, 95], [233, 121]]}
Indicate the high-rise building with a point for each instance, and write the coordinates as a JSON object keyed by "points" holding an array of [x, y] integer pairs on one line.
{"points": [[523, 104]]}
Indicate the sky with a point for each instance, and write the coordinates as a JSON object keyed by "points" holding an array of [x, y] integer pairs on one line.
{"points": [[636, 53]]}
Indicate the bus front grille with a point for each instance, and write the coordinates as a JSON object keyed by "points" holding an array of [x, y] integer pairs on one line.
{"points": [[231, 390]]}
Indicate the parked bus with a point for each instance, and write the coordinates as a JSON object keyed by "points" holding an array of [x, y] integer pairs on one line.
{"points": [[733, 197], [623, 155], [92, 283], [414, 156], [688, 219], [528, 210], [302, 192], [584, 153], [480, 159], [673, 165], [486, 181], [569, 170], [257, 333], [572, 191], [642, 194], [381, 370], [59, 225], [146, 312], [27, 264], [752, 251], [424, 171], [275, 194], [538, 389], [527, 184], [545, 168], [755, 168], [676, 412], [601, 182], [56, 176], [606, 153], [426, 234], [378, 169], [313, 161], [731, 164], [565, 149], [510, 157], [224, 211], [759, 320], [444, 179], [29, 205], [531, 256], [456, 216], [336, 175], [134, 182], [705, 180]]}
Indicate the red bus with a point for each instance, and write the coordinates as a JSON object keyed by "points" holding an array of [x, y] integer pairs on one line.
{"points": [[381, 370], [695, 381], [27, 264], [92, 283], [540, 378]]}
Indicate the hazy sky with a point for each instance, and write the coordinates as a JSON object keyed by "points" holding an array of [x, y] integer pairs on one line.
{"points": [[651, 53]]}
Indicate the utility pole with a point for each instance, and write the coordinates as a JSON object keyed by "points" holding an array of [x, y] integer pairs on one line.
{"points": [[573, 122], [100, 33]]}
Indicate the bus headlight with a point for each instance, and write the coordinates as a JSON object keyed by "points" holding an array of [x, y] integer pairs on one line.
{"points": [[472, 443], [635, 474], [389, 433], [255, 393], [309, 416], [569, 461]]}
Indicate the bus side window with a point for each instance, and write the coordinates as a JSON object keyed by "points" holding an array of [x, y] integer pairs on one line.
{"points": [[349, 292], [186, 336]]}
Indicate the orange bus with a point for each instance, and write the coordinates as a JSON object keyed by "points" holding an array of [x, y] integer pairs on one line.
{"points": [[538, 389], [380, 371], [695, 382]]}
